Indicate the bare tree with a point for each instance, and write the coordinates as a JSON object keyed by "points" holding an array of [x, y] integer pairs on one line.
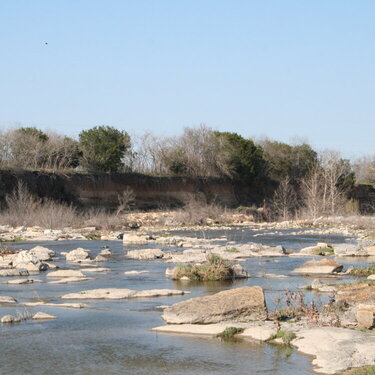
{"points": [[284, 202], [125, 199], [312, 192]]}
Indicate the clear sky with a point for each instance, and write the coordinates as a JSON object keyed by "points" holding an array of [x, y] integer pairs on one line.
{"points": [[276, 68]]}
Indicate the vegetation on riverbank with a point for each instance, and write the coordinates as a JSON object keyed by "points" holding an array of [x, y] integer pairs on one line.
{"points": [[362, 271], [229, 333], [367, 370]]}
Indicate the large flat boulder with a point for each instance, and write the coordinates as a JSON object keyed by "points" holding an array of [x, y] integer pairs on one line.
{"points": [[118, 293], [134, 239], [349, 250], [14, 272], [65, 273], [337, 349], [323, 266], [357, 293], [239, 305], [145, 254]]}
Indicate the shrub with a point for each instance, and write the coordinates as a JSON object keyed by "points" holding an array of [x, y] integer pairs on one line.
{"points": [[232, 250], [229, 333], [214, 270], [286, 335]]}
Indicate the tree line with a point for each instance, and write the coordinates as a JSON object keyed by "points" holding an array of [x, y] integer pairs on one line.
{"points": [[299, 173]]}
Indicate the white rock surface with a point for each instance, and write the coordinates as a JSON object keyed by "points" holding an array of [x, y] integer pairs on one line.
{"points": [[78, 255], [65, 273], [43, 316], [337, 349], [116, 293], [7, 299], [9, 319]]}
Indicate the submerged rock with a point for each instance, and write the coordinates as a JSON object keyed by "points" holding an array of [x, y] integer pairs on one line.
{"points": [[43, 316], [95, 269], [65, 273], [66, 280], [240, 305], [64, 305], [323, 266], [23, 281], [100, 258], [136, 272], [117, 293]]}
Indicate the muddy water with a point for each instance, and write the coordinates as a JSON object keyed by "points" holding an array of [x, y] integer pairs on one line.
{"points": [[114, 337]]}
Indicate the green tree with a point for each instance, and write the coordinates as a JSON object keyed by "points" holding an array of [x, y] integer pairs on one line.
{"points": [[244, 158], [286, 161], [103, 148]]}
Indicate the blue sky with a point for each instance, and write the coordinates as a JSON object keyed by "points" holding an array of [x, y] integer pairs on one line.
{"points": [[282, 69]]}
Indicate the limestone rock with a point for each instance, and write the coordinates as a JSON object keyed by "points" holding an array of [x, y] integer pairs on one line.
{"points": [[42, 253], [322, 287], [100, 258], [65, 273], [239, 272], [133, 239], [116, 293], [66, 280], [14, 272], [349, 250], [7, 299], [323, 266], [145, 254], [370, 250], [135, 272], [95, 269], [366, 316], [27, 260], [337, 349], [9, 319], [357, 293], [23, 281], [77, 255], [240, 305], [371, 277], [106, 252], [43, 316]]}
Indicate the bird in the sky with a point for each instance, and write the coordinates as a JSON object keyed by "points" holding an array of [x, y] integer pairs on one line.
{"points": [[45, 43]]}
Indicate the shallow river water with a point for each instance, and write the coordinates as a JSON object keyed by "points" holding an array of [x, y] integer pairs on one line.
{"points": [[114, 337]]}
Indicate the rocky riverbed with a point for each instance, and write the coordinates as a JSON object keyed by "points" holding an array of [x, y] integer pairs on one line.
{"points": [[109, 291]]}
